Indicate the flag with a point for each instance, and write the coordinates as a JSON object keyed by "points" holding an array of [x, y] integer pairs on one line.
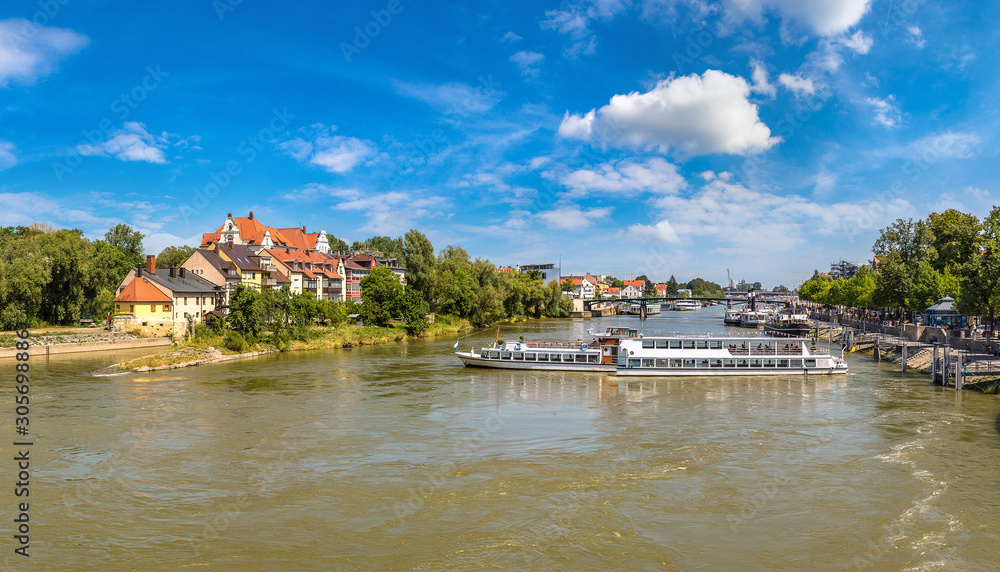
{"points": [[456, 345]]}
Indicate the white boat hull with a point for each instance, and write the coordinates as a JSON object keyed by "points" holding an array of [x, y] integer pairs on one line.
{"points": [[473, 360], [646, 372]]}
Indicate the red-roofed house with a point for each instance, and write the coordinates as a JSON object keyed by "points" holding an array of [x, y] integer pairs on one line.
{"points": [[246, 231]]}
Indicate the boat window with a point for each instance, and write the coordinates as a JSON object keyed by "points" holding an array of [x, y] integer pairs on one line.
{"points": [[742, 363], [567, 357], [660, 362], [646, 362], [715, 363], [661, 344], [703, 363], [689, 363], [529, 357], [675, 363], [715, 345], [782, 363], [543, 357], [518, 355], [484, 354], [755, 363], [675, 344], [795, 363], [591, 359], [702, 344], [633, 363], [689, 344], [646, 344], [494, 355], [728, 363], [769, 363], [810, 363], [504, 355], [581, 358]]}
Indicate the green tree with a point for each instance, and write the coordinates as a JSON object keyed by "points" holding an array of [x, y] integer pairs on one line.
{"points": [[414, 309], [894, 284], [389, 247], [567, 285], [337, 245], [380, 296], [956, 238], [174, 256], [456, 293], [780, 289], [246, 314], [980, 292], [421, 265], [24, 274], [108, 268], [127, 240], [66, 291], [672, 285], [816, 289], [861, 288]]}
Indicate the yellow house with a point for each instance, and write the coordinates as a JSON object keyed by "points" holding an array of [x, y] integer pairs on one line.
{"points": [[250, 272], [144, 301]]}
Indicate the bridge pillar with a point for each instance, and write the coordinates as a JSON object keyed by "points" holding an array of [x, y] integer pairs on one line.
{"points": [[934, 363], [958, 370], [904, 357]]}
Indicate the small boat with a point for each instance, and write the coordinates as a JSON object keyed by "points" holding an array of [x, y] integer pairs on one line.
{"points": [[789, 323], [686, 305], [652, 308], [597, 354]]}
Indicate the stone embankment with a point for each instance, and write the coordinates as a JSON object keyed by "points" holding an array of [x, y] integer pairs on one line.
{"points": [[53, 343]]}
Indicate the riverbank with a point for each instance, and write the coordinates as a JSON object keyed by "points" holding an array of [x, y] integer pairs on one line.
{"points": [[69, 343], [211, 348]]}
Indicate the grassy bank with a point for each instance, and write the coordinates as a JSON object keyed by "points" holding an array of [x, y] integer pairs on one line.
{"points": [[207, 345]]}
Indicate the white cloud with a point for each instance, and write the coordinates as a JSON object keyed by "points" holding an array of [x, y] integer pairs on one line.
{"points": [[797, 83], [977, 193], [571, 217], [511, 37], [697, 115], [761, 83], [626, 177], [528, 62], [29, 51], [859, 42], [453, 98], [886, 111], [574, 21], [823, 17], [780, 221], [333, 153], [8, 155], [915, 35], [661, 231], [130, 143], [947, 144], [387, 212]]}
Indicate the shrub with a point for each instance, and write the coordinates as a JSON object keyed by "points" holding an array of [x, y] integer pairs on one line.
{"points": [[235, 342], [201, 332]]}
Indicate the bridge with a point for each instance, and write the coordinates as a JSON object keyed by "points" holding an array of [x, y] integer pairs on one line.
{"points": [[737, 297]]}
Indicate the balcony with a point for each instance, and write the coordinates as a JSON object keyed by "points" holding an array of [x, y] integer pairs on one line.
{"points": [[270, 268], [269, 282]]}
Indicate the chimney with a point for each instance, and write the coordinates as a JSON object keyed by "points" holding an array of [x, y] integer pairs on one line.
{"points": [[251, 215], [230, 215], [150, 264], [173, 272], [303, 229], [138, 271], [182, 272]]}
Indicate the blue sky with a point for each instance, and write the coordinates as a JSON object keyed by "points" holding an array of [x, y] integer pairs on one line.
{"points": [[658, 137]]}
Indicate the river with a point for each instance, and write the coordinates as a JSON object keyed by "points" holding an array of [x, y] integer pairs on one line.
{"points": [[398, 458]]}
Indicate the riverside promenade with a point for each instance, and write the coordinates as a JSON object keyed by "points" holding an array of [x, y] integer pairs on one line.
{"points": [[939, 352]]}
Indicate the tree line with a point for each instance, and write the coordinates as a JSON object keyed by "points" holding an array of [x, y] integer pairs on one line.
{"points": [[918, 262]]}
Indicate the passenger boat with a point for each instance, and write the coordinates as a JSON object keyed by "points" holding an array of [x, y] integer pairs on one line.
{"points": [[600, 353], [702, 356], [624, 351], [753, 319], [652, 308], [687, 305], [789, 323], [732, 317]]}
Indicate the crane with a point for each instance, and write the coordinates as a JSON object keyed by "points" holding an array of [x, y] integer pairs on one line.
{"points": [[730, 276]]}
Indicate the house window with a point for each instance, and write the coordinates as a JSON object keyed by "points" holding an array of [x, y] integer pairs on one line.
{"points": [[152, 307], [185, 300], [131, 308], [117, 307], [166, 307]]}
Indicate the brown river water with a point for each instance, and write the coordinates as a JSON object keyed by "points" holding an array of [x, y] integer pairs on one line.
{"points": [[398, 458]]}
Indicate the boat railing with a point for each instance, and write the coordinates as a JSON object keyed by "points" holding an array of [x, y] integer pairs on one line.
{"points": [[553, 344], [765, 351]]}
